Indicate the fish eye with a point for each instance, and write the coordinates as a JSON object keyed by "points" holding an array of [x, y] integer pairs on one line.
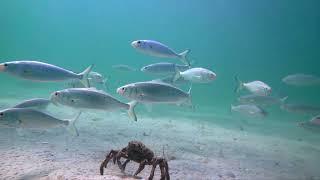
{"points": [[5, 64], [1, 114], [123, 89], [56, 93], [138, 42]]}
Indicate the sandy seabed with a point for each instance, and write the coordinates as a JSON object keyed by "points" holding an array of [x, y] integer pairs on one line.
{"points": [[195, 149]]}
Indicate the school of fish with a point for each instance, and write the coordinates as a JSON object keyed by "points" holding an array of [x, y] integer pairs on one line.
{"points": [[82, 92]]}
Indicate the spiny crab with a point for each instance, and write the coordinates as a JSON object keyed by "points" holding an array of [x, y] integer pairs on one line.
{"points": [[136, 151]]}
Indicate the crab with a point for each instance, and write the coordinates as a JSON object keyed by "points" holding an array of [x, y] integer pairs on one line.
{"points": [[136, 151]]}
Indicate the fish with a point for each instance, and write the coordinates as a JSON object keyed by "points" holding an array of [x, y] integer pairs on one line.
{"points": [[315, 120], [312, 124], [196, 75], [97, 78], [91, 98], [94, 79], [155, 92], [163, 68], [40, 71], [37, 103], [260, 100], [250, 110], [255, 87], [33, 119], [157, 49], [123, 67], [301, 80], [301, 108]]}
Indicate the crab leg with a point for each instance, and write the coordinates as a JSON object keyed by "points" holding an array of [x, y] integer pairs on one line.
{"points": [[111, 154], [125, 164], [154, 166], [163, 171], [118, 157], [141, 167], [166, 166]]}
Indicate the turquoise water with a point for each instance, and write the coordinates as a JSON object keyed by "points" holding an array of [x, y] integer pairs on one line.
{"points": [[256, 40]]}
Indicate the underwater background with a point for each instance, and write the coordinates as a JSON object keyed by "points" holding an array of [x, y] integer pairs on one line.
{"points": [[254, 40]]}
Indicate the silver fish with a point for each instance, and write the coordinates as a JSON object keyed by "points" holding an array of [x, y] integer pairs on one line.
{"points": [[39, 71], [90, 98], [123, 67], [301, 80], [94, 79], [315, 120], [155, 92], [196, 75], [301, 108], [163, 68], [33, 119], [260, 100], [312, 124], [255, 87], [37, 103], [249, 110], [158, 49]]}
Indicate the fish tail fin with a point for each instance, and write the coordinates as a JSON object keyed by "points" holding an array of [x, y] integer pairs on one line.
{"points": [[189, 91], [192, 63], [231, 108], [131, 111], [189, 101], [72, 126], [264, 112], [183, 57], [283, 100], [104, 82], [84, 76], [239, 85], [177, 75]]}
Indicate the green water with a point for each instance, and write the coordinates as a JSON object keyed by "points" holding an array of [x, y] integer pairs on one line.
{"points": [[264, 40], [256, 40]]}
